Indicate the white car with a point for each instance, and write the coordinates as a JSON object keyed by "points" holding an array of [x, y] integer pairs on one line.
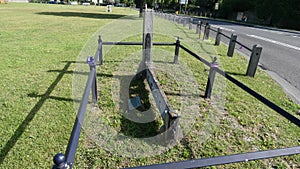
{"points": [[86, 4], [73, 3]]}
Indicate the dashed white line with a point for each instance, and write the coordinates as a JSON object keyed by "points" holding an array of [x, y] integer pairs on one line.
{"points": [[266, 30], [226, 29], [296, 36], [275, 42]]}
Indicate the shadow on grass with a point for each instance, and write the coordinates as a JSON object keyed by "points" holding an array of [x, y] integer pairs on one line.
{"points": [[22, 127], [184, 95], [205, 50], [137, 88], [165, 62], [53, 97], [236, 74], [83, 15], [180, 27]]}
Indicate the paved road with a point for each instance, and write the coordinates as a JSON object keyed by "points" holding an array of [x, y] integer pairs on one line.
{"points": [[280, 55]]}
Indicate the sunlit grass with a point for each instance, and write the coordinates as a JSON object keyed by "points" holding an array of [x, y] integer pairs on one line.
{"points": [[39, 44]]}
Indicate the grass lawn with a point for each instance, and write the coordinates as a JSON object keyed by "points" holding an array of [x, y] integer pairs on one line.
{"points": [[39, 44], [42, 48]]}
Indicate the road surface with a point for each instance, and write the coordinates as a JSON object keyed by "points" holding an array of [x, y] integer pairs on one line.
{"points": [[280, 55]]}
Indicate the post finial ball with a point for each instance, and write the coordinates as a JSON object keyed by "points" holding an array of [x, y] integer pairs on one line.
{"points": [[58, 159]]}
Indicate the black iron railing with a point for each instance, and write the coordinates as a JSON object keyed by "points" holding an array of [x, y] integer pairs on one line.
{"points": [[200, 23], [66, 161]]}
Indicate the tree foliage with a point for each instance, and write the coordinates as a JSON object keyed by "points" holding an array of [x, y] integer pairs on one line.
{"points": [[285, 13], [229, 6], [279, 12]]}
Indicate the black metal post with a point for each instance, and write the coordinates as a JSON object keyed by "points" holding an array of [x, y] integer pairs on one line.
{"points": [[147, 58], [92, 65], [197, 27], [211, 79], [231, 45], [200, 29], [254, 59], [218, 37], [177, 50], [205, 27], [206, 31], [66, 161], [190, 23], [184, 21], [100, 51]]}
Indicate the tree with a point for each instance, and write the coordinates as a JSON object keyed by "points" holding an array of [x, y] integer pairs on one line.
{"points": [[227, 7], [279, 13], [284, 13]]}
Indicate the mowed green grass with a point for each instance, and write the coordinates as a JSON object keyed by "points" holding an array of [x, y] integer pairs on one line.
{"points": [[39, 45]]}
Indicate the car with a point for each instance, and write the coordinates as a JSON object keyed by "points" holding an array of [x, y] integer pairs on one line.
{"points": [[86, 3], [51, 2], [73, 3], [120, 5]]}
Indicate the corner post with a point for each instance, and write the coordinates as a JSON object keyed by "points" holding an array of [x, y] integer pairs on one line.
{"points": [[148, 28], [92, 64]]}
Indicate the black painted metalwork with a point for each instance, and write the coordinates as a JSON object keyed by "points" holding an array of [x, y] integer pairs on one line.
{"points": [[62, 161], [235, 158], [267, 102], [225, 35], [139, 43], [246, 47]]}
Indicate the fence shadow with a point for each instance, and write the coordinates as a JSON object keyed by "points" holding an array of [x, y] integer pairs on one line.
{"points": [[236, 74], [22, 127], [184, 30], [205, 50], [53, 97], [83, 15], [142, 111]]}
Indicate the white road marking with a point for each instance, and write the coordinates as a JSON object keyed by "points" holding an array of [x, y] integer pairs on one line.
{"points": [[267, 30], [275, 42], [226, 29], [296, 36]]}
